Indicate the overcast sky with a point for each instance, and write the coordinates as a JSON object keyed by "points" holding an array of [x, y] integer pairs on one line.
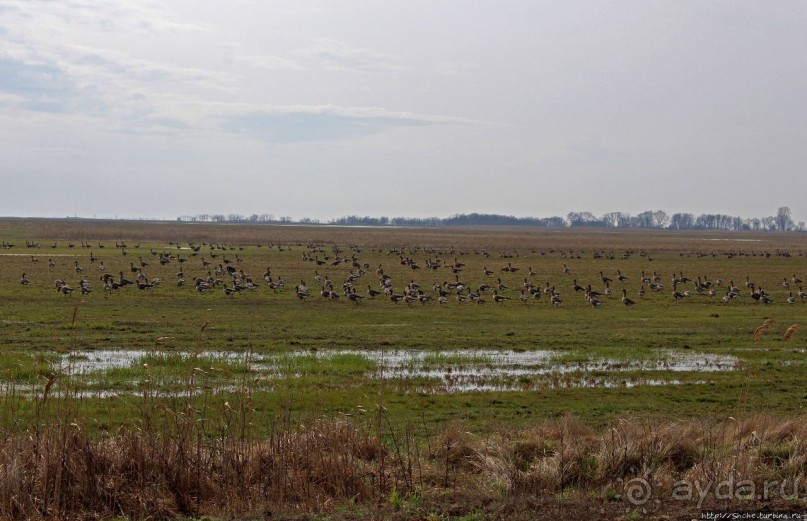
{"points": [[402, 108]]}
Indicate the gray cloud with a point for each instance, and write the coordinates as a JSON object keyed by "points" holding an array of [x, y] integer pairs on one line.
{"points": [[339, 55]]}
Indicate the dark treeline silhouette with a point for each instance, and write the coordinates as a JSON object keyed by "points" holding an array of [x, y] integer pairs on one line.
{"points": [[658, 219]]}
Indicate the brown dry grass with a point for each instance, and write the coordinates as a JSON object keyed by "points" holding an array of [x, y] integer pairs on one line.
{"points": [[493, 239], [173, 467]]}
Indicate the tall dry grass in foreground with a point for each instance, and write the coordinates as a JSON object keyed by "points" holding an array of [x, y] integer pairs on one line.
{"points": [[182, 461]]}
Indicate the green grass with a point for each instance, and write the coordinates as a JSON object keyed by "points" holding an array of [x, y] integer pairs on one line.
{"points": [[38, 324], [456, 359]]}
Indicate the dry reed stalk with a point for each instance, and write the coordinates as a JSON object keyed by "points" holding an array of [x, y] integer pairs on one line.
{"points": [[762, 329], [792, 330], [171, 468]]}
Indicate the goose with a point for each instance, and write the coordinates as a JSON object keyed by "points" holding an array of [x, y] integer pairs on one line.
{"points": [[423, 298], [620, 276], [302, 287], [566, 269], [301, 292], [625, 300], [605, 279], [556, 301], [124, 282], [512, 269], [65, 290], [577, 287], [524, 297], [802, 294], [795, 280], [24, 280], [487, 271], [51, 264], [78, 268], [791, 299], [677, 295], [641, 292], [499, 298], [593, 300], [354, 297], [591, 292]]}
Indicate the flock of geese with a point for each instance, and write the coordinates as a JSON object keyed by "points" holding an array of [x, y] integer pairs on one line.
{"points": [[228, 276]]}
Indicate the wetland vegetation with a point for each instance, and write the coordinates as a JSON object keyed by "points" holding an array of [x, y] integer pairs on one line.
{"points": [[462, 381]]}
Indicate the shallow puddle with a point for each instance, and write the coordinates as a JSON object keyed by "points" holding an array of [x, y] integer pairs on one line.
{"points": [[444, 371]]}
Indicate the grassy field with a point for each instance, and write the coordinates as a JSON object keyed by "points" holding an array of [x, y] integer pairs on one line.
{"points": [[104, 357]]}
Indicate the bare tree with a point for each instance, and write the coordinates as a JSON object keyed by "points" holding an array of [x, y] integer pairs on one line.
{"points": [[784, 220]]}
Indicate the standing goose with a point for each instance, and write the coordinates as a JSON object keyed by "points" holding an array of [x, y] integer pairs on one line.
{"points": [[499, 298], [625, 300], [123, 282]]}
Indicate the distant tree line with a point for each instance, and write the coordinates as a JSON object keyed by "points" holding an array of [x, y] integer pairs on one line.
{"points": [[658, 219]]}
